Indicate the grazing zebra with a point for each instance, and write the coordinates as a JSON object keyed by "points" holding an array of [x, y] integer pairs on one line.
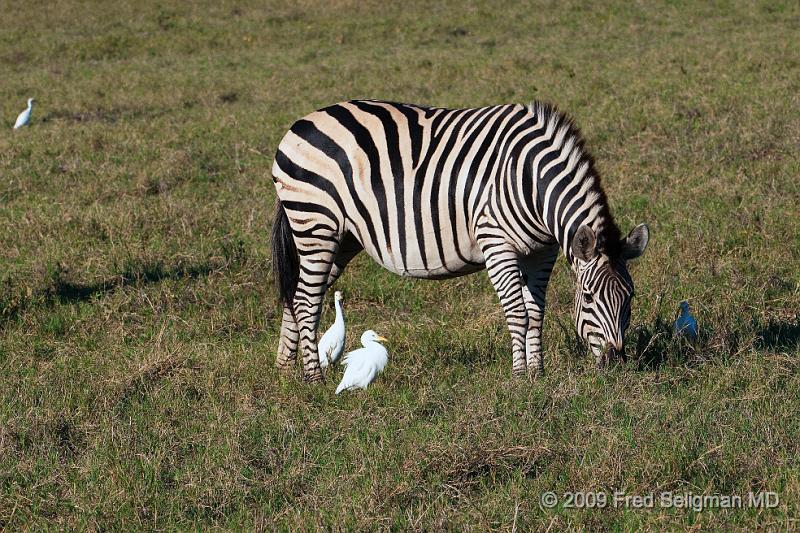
{"points": [[437, 193]]}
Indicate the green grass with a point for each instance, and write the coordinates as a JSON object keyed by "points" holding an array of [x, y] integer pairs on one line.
{"points": [[138, 317]]}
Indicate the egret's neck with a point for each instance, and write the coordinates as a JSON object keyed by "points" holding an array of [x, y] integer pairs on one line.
{"points": [[373, 344], [339, 313]]}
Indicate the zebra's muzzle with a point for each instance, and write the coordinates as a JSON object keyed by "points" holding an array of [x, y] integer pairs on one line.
{"points": [[617, 355], [596, 341], [610, 355]]}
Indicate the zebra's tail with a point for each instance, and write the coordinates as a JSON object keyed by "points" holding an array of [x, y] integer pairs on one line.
{"points": [[285, 262]]}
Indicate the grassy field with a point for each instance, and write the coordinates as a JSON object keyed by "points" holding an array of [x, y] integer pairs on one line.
{"points": [[139, 321]]}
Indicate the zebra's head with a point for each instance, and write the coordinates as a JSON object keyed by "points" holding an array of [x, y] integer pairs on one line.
{"points": [[604, 290]]}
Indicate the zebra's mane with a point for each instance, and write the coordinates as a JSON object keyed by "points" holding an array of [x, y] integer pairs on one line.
{"points": [[607, 232]]}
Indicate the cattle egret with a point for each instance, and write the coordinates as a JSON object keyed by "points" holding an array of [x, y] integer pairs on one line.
{"points": [[25, 116], [363, 365], [686, 325], [331, 345]]}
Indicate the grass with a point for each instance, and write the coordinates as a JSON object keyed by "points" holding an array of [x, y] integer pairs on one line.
{"points": [[138, 317]]}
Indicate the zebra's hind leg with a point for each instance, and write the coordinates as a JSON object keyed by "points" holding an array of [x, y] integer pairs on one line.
{"points": [[314, 270], [287, 347], [503, 269], [536, 270], [348, 249]]}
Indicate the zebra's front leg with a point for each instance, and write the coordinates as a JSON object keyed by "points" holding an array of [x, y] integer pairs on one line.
{"points": [[501, 264], [536, 270], [287, 346], [311, 287], [534, 356]]}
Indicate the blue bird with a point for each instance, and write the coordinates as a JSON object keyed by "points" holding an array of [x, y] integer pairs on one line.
{"points": [[686, 324]]}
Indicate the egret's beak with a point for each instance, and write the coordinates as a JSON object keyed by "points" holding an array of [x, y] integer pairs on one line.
{"points": [[382, 338]]}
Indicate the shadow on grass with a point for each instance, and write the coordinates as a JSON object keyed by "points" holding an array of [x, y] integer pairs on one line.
{"points": [[99, 114], [655, 344], [62, 290], [468, 353], [60, 286], [776, 335]]}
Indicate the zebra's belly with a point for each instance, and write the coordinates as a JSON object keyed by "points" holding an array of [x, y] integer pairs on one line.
{"points": [[444, 272], [413, 265]]}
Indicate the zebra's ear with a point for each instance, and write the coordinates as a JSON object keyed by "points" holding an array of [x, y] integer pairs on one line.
{"points": [[633, 246], [583, 244]]}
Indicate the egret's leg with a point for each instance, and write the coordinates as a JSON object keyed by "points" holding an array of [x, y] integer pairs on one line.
{"points": [[536, 270]]}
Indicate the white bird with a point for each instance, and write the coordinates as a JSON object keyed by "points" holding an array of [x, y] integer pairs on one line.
{"points": [[363, 365], [686, 324], [331, 345], [25, 116]]}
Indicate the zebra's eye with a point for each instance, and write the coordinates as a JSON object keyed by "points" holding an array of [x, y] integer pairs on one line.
{"points": [[587, 297]]}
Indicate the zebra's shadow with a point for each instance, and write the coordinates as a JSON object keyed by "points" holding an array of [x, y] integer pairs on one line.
{"points": [[652, 345], [779, 335], [655, 344]]}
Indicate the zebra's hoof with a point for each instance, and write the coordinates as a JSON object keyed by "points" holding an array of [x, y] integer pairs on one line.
{"points": [[285, 362], [314, 376], [536, 373]]}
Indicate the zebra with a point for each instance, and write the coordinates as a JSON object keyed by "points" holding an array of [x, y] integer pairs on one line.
{"points": [[434, 193]]}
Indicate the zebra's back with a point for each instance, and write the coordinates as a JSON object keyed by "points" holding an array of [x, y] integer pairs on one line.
{"points": [[408, 181]]}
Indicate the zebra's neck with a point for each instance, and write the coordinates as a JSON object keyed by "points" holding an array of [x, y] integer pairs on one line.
{"points": [[566, 191], [593, 211]]}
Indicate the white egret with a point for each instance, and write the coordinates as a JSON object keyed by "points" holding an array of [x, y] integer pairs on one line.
{"points": [[363, 365], [686, 324], [25, 116], [331, 345]]}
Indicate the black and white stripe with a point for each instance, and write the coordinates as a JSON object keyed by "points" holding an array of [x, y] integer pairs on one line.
{"points": [[437, 193]]}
